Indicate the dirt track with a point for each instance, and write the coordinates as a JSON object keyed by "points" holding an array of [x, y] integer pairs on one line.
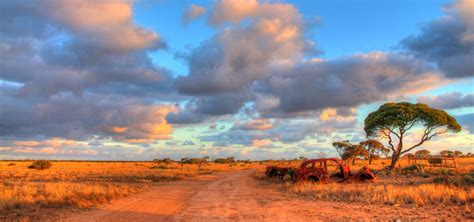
{"points": [[236, 196]]}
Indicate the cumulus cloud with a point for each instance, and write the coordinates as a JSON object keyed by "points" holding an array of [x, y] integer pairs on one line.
{"points": [[451, 100], [223, 68], [466, 121], [68, 116], [82, 72], [103, 23], [256, 58], [255, 124], [338, 114], [348, 81], [286, 131], [448, 41], [77, 69], [193, 12], [78, 47]]}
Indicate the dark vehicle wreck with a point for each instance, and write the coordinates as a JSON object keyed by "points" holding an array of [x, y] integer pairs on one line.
{"points": [[316, 170]]}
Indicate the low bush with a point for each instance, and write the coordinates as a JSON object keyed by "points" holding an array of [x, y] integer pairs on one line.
{"points": [[225, 160], [40, 165], [161, 167], [466, 180], [435, 161], [444, 171], [410, 169], [164, 160], [11, 164]]}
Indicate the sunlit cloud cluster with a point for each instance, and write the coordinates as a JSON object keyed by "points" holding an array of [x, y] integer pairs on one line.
{"points": [[78, 80]]}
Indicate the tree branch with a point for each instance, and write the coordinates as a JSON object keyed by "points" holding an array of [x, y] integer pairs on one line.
{"points": [[427, 135], [390, 142]]}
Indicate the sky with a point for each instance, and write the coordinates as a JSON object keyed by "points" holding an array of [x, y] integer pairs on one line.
{"points": [[144, 79]]}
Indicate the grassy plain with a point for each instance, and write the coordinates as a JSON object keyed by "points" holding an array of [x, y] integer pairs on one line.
{"points": [[406, 186], [28, 194]]}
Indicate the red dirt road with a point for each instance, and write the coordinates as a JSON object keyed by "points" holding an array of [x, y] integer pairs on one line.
{"points": [[236, 196]]}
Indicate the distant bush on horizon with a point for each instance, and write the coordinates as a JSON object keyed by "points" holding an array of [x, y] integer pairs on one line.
{"points": [[40, 165]]}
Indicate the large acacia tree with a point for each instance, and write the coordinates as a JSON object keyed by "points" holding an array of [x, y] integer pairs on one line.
{"points": [[393, 121]]}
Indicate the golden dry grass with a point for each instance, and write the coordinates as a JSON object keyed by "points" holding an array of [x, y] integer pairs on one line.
{"points": [[421, 194], [85, 184], [77, 185], [435, 187]]}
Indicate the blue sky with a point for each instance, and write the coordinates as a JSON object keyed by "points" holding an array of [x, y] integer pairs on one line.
{"points": [[252, 79], [370, 25]]}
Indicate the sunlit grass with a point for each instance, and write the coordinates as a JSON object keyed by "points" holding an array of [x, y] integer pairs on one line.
{"points": [[434, 187], [86, 184], [421, 194]]}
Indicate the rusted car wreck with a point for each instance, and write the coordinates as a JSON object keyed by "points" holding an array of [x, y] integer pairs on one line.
{"points": [[316, 170]]}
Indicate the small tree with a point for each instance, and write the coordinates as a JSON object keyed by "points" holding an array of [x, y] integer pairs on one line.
{"points": [[409, 156], [374, 149], [457, 153], [354, 151], [341, 147], [393, 121], [203, 161], [446, 153], [422, 153], [225, 160]]}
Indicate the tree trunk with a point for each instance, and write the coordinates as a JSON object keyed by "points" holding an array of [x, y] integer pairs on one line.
{"points": [[370, 160], [353, 161], [395, 157]]}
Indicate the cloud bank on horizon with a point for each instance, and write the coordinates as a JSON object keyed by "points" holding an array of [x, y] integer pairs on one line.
{"points": [[78, 80]]}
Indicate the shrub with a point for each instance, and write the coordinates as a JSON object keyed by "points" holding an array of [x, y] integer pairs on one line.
{"points": [[164, 160], [410, 169], [41, 165], [435, 161], [11, 164], [424, 175], [462, 180], [444, 171], [225, 160], [160, 167]]}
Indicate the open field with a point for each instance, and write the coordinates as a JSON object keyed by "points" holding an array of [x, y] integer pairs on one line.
{"points": [[27, 193], [236, 191]]}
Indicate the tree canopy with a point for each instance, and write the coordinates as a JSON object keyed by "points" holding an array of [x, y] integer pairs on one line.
{"points": [[341, 147], [354, 151], [422, 153], [374, 149]]}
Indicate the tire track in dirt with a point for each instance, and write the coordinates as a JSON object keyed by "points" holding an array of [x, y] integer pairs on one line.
{"points": [[233, 196], [237, 196]]}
